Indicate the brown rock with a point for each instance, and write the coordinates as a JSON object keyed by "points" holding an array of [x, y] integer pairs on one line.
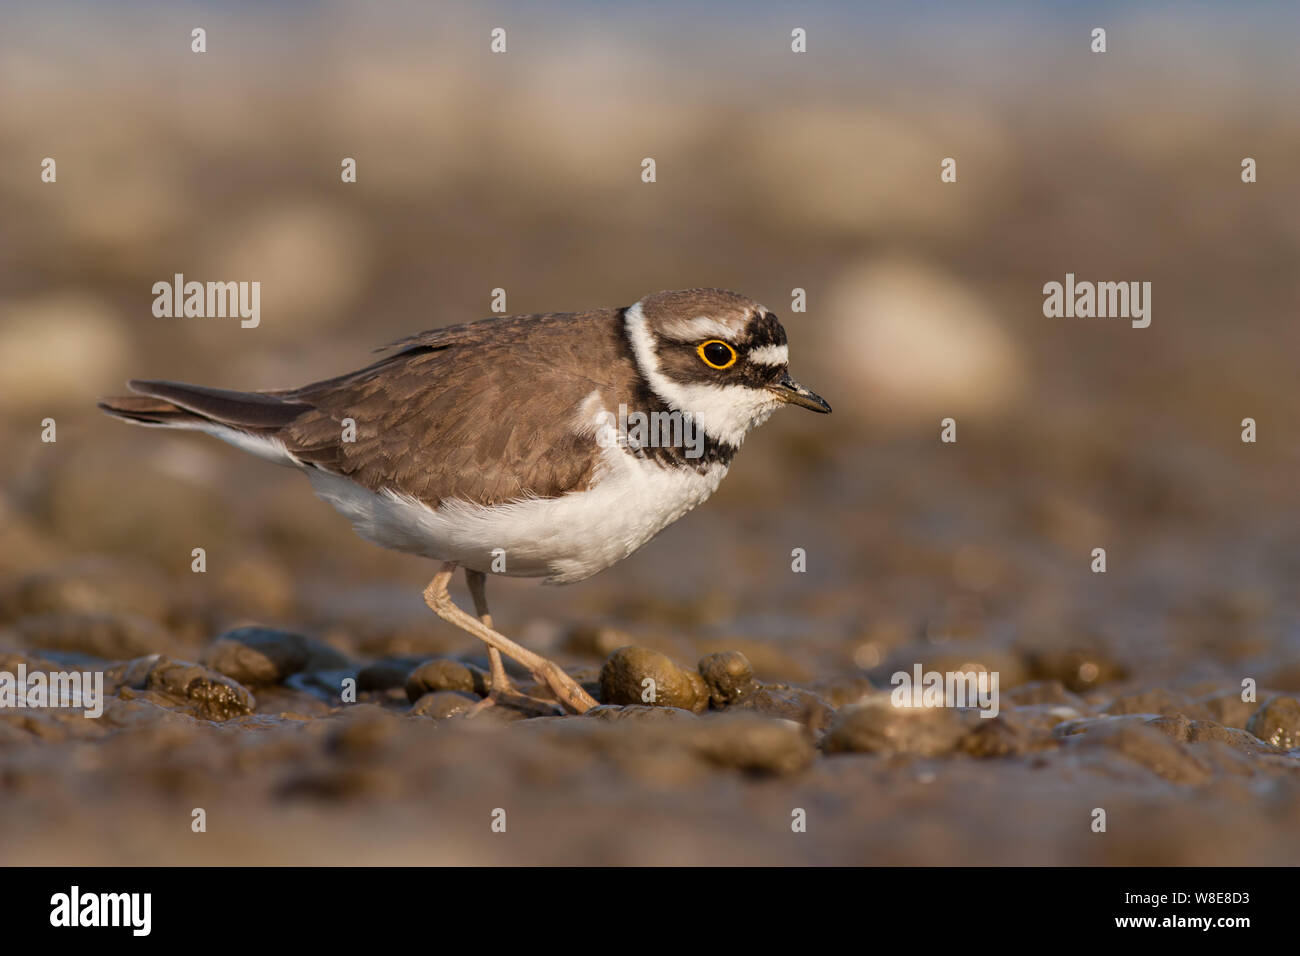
{"points": [[1277, 722], [446, 674], [1199, 731], [790, 703], [440, 704], [877, 726], [729, 676], [189, 686], [638, 675], [754, 744]]}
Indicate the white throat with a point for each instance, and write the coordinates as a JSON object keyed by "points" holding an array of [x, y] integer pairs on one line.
{"points": [[725, 412]]}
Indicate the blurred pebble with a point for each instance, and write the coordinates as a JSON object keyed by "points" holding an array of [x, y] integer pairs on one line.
{"points": [[1199, 731], [1227, 708], [443, 703], [387, 674], [1277, 722], [1158, 701], [637, 712], [754, 744], [790, 703], [263, 655], [90, 586], [877, 726], [446, 674], [107, 637], [595, 641], [1078, 669]]}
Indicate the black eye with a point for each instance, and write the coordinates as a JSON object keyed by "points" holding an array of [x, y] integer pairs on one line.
{"points": [[717, 354]]}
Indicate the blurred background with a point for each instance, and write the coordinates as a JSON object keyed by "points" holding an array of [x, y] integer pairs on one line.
{"points": [[775, 171]]}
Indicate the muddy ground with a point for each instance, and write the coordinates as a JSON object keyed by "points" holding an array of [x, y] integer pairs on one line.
{"points": [[1120, 691]]}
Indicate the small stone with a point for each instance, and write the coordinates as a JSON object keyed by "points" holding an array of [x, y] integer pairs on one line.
{"points": [[203, 692], [1277, 722], [1020, 730], [1079, 669], [637, 713], [877, 726], [440, 704], [386, 674], [1145, 744], [729, 676], [790, 703], [257, 655], [445, 674], [363, 729], [110, 637], [754, 744], [1227, 708], [623, 680], [88, 586], [1150, 702], [593, 641], [1187, 730]]}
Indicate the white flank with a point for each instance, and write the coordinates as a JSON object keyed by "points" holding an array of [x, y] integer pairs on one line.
{"points": [[563, 539], [725, 412], [770, 355]]}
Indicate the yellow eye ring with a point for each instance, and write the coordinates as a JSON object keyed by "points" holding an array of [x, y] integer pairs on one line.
{"points": [[703, 349]]}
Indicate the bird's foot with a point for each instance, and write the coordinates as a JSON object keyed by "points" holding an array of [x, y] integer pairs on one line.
{"points": [[567, 690]]}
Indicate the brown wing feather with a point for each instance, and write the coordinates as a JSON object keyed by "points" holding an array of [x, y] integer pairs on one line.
{"points": [[461, 412]]}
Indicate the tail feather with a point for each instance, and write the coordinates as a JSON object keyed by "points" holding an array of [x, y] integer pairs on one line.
{"points": [[148, 411], [248, 420], [177, 404]]}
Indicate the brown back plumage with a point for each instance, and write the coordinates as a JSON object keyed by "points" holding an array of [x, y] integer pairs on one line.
{"points": [[452, 413]]}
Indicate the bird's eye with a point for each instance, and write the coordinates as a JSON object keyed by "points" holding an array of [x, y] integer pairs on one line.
{"points": [[717, 354]]}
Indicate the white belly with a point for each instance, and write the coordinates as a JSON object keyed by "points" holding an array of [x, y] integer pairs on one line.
{"points": [[563, 539]]}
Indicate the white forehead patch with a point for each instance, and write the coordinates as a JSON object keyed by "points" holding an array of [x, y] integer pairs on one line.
{"points": [[770, 355], [700, 327]]}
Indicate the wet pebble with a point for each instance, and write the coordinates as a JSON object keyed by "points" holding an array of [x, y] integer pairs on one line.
{"points": [[638, 675], [387, 674], [110, 637], [754, 744], [877, 726], [1277, 722], [790, 703], [637, 713], [1135, 738], [1019, 730], [88, 586], [595, 641], [193, 687], [443, 703], [256, 655], [445, 674], [362, 729], [1158, 701], [729, 676], [1227, 708], [1187, 730], [1079, 669]]}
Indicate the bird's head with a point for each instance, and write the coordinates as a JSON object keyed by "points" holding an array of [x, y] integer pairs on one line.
{"points": [[718, 355]]}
